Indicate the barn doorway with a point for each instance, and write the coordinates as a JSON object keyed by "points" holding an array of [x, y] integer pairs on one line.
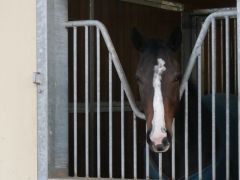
{"points": [[119, 17]]}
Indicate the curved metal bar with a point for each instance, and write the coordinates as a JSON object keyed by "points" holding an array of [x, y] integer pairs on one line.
{"points": [[115, 60], [199, 42]]}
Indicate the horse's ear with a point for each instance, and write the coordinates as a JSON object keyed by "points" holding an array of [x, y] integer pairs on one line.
{"points": [[175, 39], [138, 40]]}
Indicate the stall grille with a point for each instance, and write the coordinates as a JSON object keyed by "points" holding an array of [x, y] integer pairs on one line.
{"points": [[207, 33]]}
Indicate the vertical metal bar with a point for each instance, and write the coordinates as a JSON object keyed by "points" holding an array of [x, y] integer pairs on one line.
{"points": [[203, 57], [238, 79], [122, 134], [134, 147], [92, 86], [75, 96], [92, 120], [194, 38], [110, 116], [160, 166], [221, 51], [86, 103], [173, 149], [42, 98], [98, 106], [227, 97], [147, 158], [199, 117], [209, 64], [186, 132], [235, 54], [57, 36], [213, 99]]}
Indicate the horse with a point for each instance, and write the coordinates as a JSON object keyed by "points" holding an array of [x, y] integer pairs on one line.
{"points": [[158, 76]]}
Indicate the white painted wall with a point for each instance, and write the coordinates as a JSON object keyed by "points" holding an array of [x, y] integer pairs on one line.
{"points": [[18, 132]]}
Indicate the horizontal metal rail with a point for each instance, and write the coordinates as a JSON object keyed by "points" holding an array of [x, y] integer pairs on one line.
{"points": [[203, 12], [114, 58], [197, 48]]}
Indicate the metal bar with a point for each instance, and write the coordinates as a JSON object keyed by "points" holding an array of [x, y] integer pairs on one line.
{"points": [[167, 5], [199, 117], [173, 149], [57, 56], [186, 132], [227, 99], [92, 107], [209, 64], [42, 89], [122, 134], [115, 60], [134, 147], [92, 80], [110, 118], [221, 51], [86, 103], [198, 12], [235, 54], [160, 166], [213, 99], [98, 107], [203, 59], [200, 39], [147, 158], [238, 73], [75, 96]]}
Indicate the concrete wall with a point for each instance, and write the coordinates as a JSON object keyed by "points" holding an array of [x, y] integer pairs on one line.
{"points": [[18, 140]]}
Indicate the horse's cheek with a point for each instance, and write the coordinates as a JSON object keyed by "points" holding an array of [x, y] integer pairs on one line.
{"points": [[148, 109], [168, 118]]}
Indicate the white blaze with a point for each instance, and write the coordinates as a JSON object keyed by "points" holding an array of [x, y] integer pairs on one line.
{"points": [[158, 123]]}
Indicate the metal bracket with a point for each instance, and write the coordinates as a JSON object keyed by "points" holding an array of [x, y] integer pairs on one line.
{"points": [[162, 4], [37, 78]]}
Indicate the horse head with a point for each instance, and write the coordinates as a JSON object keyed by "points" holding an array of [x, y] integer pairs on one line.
{"points": [[158, 76]]}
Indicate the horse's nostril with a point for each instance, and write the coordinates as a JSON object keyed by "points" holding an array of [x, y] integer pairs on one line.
{"points": [[163, 145], [165, 141]]}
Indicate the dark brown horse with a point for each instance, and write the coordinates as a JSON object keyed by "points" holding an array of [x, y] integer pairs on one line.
{"points": [[158, 76]]}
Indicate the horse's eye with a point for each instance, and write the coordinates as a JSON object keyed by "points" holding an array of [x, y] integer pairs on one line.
{"points": [[137, 78], [177, 78]]}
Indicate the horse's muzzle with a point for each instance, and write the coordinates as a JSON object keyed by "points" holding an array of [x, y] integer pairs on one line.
{"points": [[159, 148]]}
